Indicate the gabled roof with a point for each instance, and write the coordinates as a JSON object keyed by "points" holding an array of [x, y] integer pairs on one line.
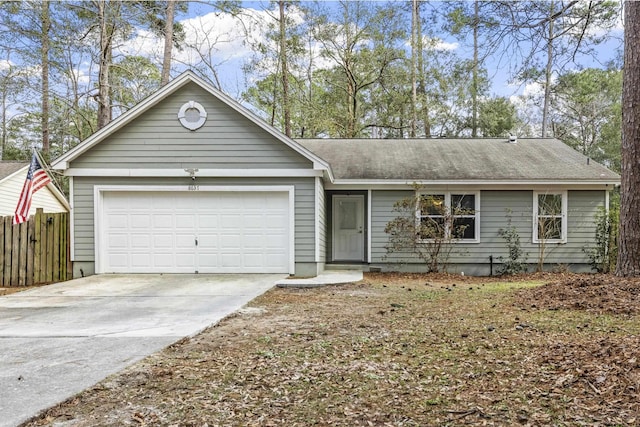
{"points": [[63, 161], [9, 167], [459, 161]]}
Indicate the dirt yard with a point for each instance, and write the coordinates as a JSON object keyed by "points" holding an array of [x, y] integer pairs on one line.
{"points": [[394, 350], [14, 289]]}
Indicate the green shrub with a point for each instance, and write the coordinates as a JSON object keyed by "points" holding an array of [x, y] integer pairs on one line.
{"points": [[516, 262], [604, 255]]}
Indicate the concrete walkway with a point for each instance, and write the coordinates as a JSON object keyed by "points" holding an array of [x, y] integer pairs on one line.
{"points": [[58, 340], [327, 277]]}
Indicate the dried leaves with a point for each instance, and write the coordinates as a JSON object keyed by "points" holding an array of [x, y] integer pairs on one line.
{"points": [[594, 293], [396, 350]]}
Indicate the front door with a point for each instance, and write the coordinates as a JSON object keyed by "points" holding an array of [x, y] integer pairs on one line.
{"points": [[348, 228]]}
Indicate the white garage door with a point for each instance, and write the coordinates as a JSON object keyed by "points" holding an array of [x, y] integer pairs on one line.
{"points": [[187, 232]]}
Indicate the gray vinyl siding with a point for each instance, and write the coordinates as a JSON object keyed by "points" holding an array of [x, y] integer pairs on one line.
{"points": [[581, 228], [83, 191], [322, 216], [381, 213], [156, 139], [496, 208]]}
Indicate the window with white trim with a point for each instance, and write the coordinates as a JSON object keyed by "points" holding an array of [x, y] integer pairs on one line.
{"points": [[550, 217], [449, 215]]}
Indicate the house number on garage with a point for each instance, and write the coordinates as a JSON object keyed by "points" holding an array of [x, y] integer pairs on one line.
{"points": [[194, 187]]}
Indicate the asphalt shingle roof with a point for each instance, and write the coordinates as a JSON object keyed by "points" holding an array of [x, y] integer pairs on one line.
{"points": [[8, 167], [529, 159]]}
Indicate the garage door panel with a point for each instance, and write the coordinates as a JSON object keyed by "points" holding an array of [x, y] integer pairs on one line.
{"points": [[139, 220], [141, 241], [119, 221], [236, 232], [253, 260], [231, 221], [184, 221], [140, 202], [275, 242], [164, 220], [253, 242], [140, 259], [229, 260], [185, 241], [208, 220], [181, 260], [230, 241], [163, 240], [118, 240]]}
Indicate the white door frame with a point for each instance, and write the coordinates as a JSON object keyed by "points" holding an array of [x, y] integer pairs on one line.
{"points": [[361, 224], [98, 220]]}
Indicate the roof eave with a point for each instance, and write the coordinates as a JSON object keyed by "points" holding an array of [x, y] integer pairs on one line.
{"points": [[14, 173], [58, 195], [573, 182], [50, 186]]}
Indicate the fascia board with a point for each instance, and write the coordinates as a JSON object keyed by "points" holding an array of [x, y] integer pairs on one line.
{"points": [[472, 182], [58, 195], [201, 173], [407, 184]]}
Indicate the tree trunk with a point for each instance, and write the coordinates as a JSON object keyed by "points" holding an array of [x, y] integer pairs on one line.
{"points": [[414, 67], [285, 72], [547, 75], [44, 52], [3, 118], [629, 241], [474, 83], [168, 42], [422, 84], [106, 35]]}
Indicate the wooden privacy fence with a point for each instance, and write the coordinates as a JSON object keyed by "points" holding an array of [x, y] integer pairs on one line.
{"points": [[36, 251]]}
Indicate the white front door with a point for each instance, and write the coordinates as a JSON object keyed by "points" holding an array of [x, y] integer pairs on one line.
{"points": [[348, 228]]}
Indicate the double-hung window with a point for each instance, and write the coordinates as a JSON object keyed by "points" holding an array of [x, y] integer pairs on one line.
{"points": [[550, 217], [449, 215]]}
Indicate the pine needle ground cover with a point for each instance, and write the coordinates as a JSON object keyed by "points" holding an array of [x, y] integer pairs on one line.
{"points": [[394, 350]]}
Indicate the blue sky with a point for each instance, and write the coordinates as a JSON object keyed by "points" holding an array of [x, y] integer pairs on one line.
{"points": [[231, 55]]}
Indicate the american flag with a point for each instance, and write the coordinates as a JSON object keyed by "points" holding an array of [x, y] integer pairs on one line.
{"points": [[36, 179]]}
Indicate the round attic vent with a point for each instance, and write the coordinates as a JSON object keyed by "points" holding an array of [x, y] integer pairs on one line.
{"points": [[192, 115]]}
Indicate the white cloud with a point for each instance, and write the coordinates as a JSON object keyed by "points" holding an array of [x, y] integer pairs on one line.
{"points": [[215, 38], [145, 43], [532, 90], [82, 77], [5, 64], [434, 43], [446, 46], [221, 35]]}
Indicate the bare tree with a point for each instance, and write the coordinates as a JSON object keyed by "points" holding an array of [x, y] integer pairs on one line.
{"points": [[44, 51], [555, 30], [286, 106], [168, 41]]}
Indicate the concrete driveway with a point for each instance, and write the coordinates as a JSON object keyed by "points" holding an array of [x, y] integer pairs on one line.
{"points": [[58, 340]]}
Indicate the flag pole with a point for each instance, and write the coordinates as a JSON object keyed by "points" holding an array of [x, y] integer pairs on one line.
{"points": [[47, 169], [37, 178]]}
